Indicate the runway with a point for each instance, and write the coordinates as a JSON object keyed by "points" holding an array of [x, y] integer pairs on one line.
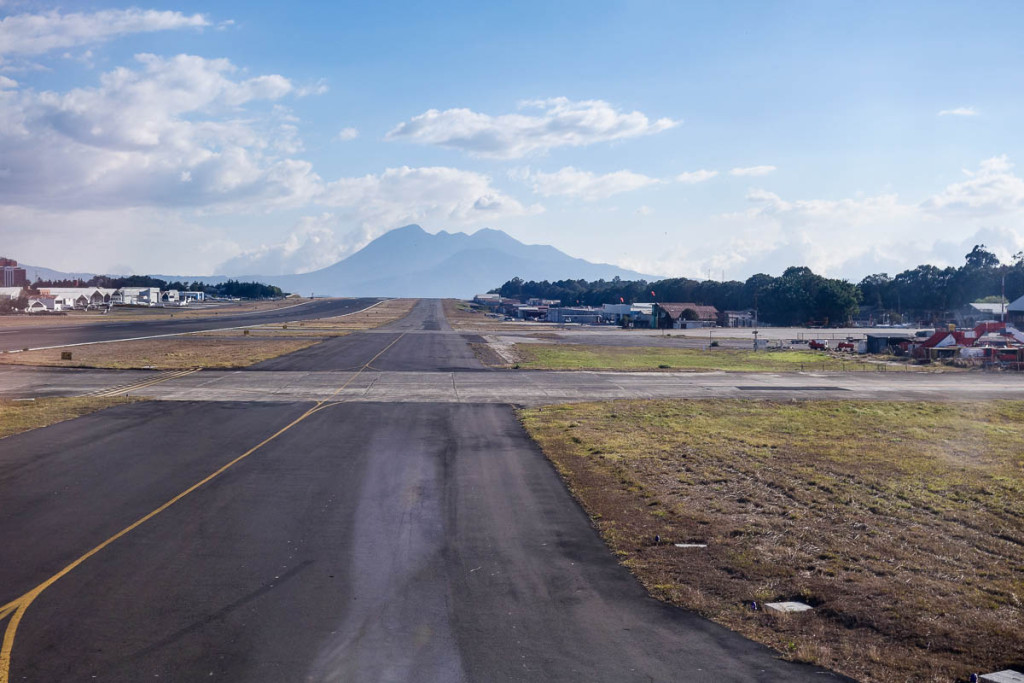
{"points": [[16, 339], [326, 539]]}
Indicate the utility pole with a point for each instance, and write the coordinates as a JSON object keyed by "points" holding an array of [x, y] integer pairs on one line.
{"points": [[1002, 301]]}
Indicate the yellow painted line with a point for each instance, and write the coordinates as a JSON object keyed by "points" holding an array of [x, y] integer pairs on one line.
{"points": [[20, 605], [144, 383], [123, 387]]}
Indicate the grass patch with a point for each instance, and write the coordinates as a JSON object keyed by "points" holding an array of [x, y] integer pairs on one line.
{"points": [[638, 358], [22, 416], [902, 523], [172, 353]]}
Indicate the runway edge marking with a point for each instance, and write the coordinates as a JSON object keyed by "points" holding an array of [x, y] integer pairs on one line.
{"points": [[16, 608]]}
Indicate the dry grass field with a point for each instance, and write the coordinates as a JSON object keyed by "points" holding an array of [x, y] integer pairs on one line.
{"points": [[901, 523], [235, 348], [650, 358], [21, 416], [171, 353]]}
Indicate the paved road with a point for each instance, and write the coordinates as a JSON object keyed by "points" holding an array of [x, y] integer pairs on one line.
{"points": [[12, 339], [350, 542]]}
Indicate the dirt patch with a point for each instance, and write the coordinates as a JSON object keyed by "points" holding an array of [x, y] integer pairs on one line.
{"points": [[172, 353], [486, 354], [901, 523], [21, 416]]}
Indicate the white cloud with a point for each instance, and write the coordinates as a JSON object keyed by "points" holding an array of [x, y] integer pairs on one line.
{"points": [[992, 189], [310, 246], [129, 140], [959, 111], [428, 195], [147, 240], [7, 83], [752, 170], [366, 207], [318, 88], [693, 177], [558, 123], [644, 210], [853, 237], [35, 34], [346, 134], [571, 182]]}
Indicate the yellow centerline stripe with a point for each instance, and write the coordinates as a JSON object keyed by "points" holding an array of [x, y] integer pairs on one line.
{"points": [[123, 387], [144, 383], [21, 604]]}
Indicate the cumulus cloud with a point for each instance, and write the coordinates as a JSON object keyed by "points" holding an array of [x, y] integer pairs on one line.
{"points": [[36, 34], [429, 195], [752, 170], [693, 177], [992, 189], [855, 236], [146, 240], [959, 111], [558, 122], [572, 182], [170, 132], [310, 246], [346, 134], [363, 208]]}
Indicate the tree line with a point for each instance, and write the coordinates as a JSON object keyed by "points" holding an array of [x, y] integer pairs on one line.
{"points": [[229, 288], [925, 294]]}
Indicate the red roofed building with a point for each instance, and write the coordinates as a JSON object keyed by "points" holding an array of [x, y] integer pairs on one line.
{"points": [[677, 316]]}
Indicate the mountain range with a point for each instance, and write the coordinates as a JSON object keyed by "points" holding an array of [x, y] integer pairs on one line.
{"points": [[411, 262]]}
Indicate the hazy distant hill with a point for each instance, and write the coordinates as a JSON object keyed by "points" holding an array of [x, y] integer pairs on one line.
{"points": [[34, 273], [410, 261]]}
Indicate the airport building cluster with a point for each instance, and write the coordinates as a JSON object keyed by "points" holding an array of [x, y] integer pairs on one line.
{"points": [[57, 299]]}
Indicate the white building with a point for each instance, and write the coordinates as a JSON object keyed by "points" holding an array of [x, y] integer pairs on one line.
{"points": [[77, 297], [11, 292], [43, 304], [138, 296], [638, 315]]}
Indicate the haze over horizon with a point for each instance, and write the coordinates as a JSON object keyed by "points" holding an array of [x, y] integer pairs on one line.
{"points": [[696, 140]]}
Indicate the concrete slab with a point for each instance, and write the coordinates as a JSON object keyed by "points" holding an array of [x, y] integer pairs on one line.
{"points": [[1006, 676], [788, 607]]}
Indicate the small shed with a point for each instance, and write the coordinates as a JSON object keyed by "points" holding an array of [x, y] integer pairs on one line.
{"points": [[887, 342]]}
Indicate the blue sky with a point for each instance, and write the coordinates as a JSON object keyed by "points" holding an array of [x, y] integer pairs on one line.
{"points": [[678, 139]]}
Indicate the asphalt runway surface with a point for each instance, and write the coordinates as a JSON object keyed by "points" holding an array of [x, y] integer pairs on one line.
{"points": [[327, 541], [15, 339]]}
